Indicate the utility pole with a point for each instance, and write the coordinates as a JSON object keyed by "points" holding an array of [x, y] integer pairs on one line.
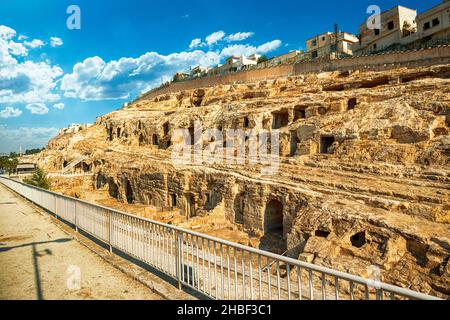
{"points": [[336, 35]]}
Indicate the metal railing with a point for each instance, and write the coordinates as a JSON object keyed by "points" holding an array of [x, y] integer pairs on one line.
{"points": [[73, 163], [214, 267]]}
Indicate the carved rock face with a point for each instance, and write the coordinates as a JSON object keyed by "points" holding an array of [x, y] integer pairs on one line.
{"points": [[367, 184]]}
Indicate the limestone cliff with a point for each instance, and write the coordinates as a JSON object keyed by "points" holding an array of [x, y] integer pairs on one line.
{"points": [[363, 177]]}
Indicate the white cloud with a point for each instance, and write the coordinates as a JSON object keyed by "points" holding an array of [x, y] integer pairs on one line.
{"points": [[239, 36], [269, 46], [195, 43], [37, 108], [16, 48], [24, 81], [28, 82], [237, 50], [6, 32], [95, 79], [59, 106], [10, 112], [9, 48], [56, 42], [215, 37], [27, 137], [246, 50], [35, 43]]}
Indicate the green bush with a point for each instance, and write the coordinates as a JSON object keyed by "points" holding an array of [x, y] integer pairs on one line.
{"points": [[38, 179]]}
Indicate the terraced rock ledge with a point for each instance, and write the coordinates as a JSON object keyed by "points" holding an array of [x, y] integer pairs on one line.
{"points": [[363, 177]]}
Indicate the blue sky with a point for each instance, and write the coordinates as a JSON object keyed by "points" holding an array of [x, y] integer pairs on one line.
{"points": [[51, 76]]}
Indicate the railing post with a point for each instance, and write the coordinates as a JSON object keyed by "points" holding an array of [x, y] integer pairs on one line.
{"points": [[110, 230], [56, 211], [75, 216], [56, 214], [178, 239]]}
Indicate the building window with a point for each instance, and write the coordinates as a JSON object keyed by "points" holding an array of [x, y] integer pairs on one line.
{"points": [[323, 38], [377, 32], [391, 25], [426, 26], [374, 46], [313, 43], [435, 22], [314, 54], [333, 48]]}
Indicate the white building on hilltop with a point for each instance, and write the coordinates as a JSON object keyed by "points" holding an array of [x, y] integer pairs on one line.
{"points": [[434, 24], [397, 27], [236, 63], [74, 128]]}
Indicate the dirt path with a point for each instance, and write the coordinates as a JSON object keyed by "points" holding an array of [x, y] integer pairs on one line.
{"points": [[40, 261]]}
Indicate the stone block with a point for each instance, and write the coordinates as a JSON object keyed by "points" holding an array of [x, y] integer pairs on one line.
{"points": [[307, 148], [306, 132], [306, 257]]}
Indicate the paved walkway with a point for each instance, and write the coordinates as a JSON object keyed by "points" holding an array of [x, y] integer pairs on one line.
{"points": [[39, 261]]}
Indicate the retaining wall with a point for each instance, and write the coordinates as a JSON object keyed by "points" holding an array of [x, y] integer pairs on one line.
{"points": [[384, 61]]}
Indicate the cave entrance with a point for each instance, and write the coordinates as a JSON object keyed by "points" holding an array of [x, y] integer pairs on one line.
{"points": [[372, 83], [173, 200], [155, 141], [273, 217], [118, 132], [65, 163], [321, 233], [191, 207], [113, 189], [110, 134], [141, 139], [101, 181], [166, 128], [192, 135], [246, 123], [325, 143], [85, 167], [322, 111], [129, 192], [280, 119], [294, 142], [351, 104], [299, 112], [358, 239], [239, 202], [168, 143]]}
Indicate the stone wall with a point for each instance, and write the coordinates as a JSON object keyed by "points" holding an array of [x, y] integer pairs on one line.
{"points": [[414, 58]]}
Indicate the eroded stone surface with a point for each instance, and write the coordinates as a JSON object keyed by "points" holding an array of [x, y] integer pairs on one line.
{"points": [[363, 179]]}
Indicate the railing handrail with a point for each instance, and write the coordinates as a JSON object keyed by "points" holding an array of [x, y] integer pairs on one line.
{"points": [[73, 163], [280, 258]]}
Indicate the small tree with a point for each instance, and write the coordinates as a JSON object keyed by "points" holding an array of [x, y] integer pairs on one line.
{"points": [[262, 59], [9, 164], [38, 179]]}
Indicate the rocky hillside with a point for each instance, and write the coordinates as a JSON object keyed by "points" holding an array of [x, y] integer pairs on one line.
{"points": [[363, 177]]}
